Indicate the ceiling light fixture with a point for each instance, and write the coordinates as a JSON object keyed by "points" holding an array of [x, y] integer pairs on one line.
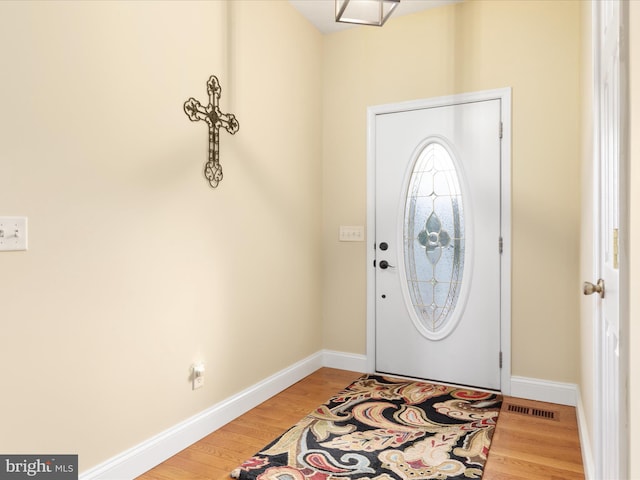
{"points": [[365, 12]]}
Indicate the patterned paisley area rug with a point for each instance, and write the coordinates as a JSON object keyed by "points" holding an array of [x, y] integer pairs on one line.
{"points": [[383, 428]]}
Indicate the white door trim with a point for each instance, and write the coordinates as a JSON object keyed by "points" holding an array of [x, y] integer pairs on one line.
{"points": [[503, 94]]}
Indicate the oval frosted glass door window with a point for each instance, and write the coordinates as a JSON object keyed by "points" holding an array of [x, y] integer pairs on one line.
{"points": [[434, 240]]}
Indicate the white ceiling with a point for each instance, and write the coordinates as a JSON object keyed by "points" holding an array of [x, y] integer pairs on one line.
{"points": [[321, 13]]}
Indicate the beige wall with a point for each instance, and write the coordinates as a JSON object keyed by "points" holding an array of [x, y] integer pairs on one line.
{"points": [[136, 267], [634, 314], [587, 267], [533, 47]]}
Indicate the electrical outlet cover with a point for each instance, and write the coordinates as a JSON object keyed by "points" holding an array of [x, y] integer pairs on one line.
{"points": [[198, 382]]}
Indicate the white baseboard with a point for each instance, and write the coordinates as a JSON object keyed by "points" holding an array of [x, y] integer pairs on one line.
{"points": [[157, 449], [588, 461], [154, 451], [344, 361], [544, 390]]}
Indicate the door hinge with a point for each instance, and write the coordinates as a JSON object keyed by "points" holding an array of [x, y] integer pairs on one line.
{"points": [[500, 245], [500, 131], [500, 359]]}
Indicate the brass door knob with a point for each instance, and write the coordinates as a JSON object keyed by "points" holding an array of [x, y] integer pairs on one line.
{"points": [[589, 288]]}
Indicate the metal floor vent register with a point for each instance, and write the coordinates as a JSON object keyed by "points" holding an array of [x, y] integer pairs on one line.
{"points": [[532, 412]]}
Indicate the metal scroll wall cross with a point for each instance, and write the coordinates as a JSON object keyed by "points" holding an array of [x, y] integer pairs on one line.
{"points": [[215, 119]]}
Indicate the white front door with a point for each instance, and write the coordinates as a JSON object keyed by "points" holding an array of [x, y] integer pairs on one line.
{"points": [[438, 243]]}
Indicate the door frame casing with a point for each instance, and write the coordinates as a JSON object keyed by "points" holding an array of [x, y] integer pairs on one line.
{"points": [[504, 95]]}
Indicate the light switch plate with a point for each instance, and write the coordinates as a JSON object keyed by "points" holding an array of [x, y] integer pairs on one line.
{"points": [[352, 233], [13, 234]]}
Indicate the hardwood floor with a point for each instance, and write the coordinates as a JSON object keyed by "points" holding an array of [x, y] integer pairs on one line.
{"points": [[524, 446], [534, 448]]}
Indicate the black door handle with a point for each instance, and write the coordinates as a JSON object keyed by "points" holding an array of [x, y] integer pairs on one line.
{"points": [[384, 265]]}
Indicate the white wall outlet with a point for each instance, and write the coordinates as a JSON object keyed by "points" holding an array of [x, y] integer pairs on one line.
{"points": [[198, 375], [352, 233], [13, 234]]}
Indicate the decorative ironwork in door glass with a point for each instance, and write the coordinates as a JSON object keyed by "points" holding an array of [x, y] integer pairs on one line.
{"points": [[434, 237]]}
